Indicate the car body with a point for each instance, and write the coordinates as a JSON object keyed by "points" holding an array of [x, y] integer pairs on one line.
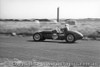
{"points": [[69, 36]]}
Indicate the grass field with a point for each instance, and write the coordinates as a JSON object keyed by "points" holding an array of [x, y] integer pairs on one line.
{"points": [[88, 27]]}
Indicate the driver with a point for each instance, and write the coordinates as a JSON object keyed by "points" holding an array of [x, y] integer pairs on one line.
{"points": [[60, 30], [66, 27]]}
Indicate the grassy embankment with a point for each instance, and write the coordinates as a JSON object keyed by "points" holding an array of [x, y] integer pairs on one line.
{"points": [[90, 27]]}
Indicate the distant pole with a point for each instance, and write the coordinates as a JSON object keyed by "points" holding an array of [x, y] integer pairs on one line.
{"points": [[58, 14]]}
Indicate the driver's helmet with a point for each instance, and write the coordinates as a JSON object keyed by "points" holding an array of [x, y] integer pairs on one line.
{"points": [[66, 25]]}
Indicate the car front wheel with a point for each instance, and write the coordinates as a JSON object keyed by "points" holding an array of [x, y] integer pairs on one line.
{"points": [[70, 38]]}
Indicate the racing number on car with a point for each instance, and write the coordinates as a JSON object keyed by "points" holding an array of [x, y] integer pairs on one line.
{"points": [[54, 36]]}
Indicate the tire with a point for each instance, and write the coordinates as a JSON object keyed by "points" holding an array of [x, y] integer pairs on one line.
{"points": [[37, 37], [70, 38]]}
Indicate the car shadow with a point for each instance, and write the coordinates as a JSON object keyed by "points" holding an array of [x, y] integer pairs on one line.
{"points": [[52, 41]]}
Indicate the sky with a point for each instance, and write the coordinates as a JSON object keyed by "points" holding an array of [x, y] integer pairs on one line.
{"points": [[27, 9]]}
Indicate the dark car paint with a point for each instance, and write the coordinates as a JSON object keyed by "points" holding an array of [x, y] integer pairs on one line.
{"points": [[61, 36], [77, 36], [47, 34]]}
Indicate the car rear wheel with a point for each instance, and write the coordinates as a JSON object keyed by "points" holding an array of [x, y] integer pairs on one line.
{"points": [[37, 37], [70, 38]]}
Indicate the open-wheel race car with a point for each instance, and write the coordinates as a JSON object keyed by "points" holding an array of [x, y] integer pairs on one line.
{"points": [[68, 36]]}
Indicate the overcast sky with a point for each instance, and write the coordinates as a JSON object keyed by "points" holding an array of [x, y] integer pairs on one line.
{"points": [[26, 9]]}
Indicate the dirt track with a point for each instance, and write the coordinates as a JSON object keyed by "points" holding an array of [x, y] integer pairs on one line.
{"points": [[25, 48]]}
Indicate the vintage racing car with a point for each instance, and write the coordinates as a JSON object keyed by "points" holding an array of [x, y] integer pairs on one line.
{"points": [[68, 36]]}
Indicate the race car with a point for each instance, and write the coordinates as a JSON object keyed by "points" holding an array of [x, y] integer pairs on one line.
{"points": [[68, 36]]}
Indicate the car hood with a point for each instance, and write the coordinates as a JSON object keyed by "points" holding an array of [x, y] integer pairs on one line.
{"points": [[78, 33]]}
